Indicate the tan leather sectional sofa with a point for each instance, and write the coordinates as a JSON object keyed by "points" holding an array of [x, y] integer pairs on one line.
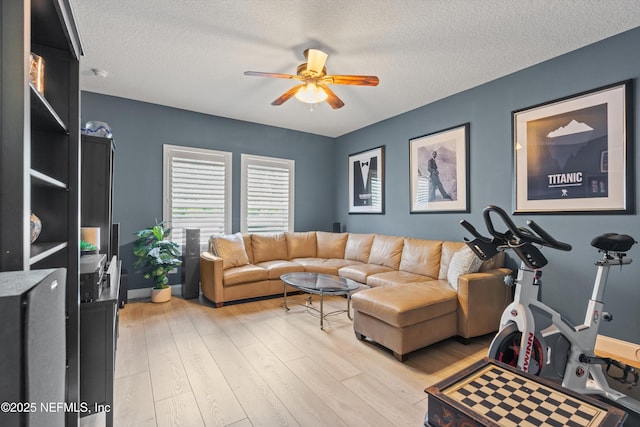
{"points": [[410, 296]]}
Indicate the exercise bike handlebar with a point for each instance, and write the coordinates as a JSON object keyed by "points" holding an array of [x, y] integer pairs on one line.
{"points": [[520, 239], [550, 241], [536, 234]]}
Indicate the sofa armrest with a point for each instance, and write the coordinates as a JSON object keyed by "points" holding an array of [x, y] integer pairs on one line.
{"points": [[211, 270], [482, 297]]}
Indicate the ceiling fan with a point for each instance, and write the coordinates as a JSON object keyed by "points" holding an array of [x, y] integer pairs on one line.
{"points": [[314, 87]]}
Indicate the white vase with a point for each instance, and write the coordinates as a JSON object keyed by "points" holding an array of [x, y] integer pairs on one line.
{"points": [[160, 295]]}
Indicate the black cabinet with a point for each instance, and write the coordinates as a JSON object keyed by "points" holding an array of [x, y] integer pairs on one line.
{"points": [[99, 317], [97, 191], [98, 341]]}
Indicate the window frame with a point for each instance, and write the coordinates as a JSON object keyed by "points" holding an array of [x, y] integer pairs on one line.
{"points": [[247, 160], [168, 152]]}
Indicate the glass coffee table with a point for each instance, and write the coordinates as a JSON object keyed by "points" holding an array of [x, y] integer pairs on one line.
{"points": [[320, 284]]}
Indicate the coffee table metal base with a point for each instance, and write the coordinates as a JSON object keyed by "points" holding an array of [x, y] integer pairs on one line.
{"points": [[320, 312]]}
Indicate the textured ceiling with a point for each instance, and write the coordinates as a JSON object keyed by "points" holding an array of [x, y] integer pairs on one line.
{"points": [[191, 54]]}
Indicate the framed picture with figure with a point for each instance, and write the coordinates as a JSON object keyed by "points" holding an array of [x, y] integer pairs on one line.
{"points": [[366, 182], [439, 171], [573, 155]]}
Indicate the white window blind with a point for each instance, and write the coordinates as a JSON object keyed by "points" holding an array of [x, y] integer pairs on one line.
{"points": [[267, 194], [197, 191]]}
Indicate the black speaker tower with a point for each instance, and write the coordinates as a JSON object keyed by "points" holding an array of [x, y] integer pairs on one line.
{"points": [[191, 265], [33, 357]]}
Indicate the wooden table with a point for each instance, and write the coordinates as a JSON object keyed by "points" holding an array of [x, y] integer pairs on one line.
{"points": [[490, 393]]}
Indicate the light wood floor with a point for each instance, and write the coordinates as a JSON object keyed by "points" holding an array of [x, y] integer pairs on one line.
{"points": [[185, 363]]}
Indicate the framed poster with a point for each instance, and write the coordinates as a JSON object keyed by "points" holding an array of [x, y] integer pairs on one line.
{"points": [[573, 155], [439, 171], [366, 182]]}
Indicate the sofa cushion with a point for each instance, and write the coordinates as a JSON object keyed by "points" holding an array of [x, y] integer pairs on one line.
{"points": [[301, 244], [244, 274], [247, 246], [463, 262], [395, 278], [386, 251], [360, 272], [421, 257], [268, 247], [230, 248], [358, 247], [448, 249], [325, 266], [331, 245], [277, 268], [408, 304]]}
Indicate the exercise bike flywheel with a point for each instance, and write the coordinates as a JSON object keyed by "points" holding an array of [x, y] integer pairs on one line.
{"points": [[506, 348]]}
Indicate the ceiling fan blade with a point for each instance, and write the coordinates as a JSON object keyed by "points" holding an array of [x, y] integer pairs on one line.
{"points": [[287, 95], [315, 60], [275, 75], [332, 98], [352, 80]]}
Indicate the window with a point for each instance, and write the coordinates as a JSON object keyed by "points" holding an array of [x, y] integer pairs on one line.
{"points": [[267, 194], [196, 191]]}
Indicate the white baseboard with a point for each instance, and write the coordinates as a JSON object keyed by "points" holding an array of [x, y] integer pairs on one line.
{"points": [[146, 292]]}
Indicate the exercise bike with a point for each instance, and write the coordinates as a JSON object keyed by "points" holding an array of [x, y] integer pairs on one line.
{"points": [[537, 339]]}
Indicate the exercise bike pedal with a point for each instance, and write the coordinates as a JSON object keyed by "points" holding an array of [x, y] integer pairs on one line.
{"points": [[627, 371]]}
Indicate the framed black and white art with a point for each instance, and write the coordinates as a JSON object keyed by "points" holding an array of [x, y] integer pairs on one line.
{"points": [[439, 171], [366, 182]]}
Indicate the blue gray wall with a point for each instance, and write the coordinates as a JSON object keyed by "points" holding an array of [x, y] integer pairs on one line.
{"points": [[140, 130], [569, 276]]}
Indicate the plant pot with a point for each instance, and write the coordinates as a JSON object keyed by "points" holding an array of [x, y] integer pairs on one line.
{"points": [[160, 295]]}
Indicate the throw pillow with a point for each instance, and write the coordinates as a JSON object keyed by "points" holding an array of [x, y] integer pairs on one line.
{"points": [[231, 249], [463, 261]]}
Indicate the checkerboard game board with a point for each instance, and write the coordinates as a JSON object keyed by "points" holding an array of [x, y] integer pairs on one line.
{"points": [[491, 394], [511, 400]]}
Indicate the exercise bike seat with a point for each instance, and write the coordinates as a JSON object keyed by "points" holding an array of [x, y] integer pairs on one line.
{"points": [[613, 242]]}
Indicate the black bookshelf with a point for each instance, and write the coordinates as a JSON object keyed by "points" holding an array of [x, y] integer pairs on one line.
{"points": [[39, 154]]}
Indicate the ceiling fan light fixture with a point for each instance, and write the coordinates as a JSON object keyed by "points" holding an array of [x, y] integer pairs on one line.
{"points": [[311, 94]]}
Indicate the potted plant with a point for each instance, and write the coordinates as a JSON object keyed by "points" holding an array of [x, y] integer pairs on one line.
{"points": [[158, 256]]}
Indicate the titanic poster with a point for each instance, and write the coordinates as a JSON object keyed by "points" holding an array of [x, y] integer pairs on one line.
{"points": [[571, 154], [567, 155]]}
